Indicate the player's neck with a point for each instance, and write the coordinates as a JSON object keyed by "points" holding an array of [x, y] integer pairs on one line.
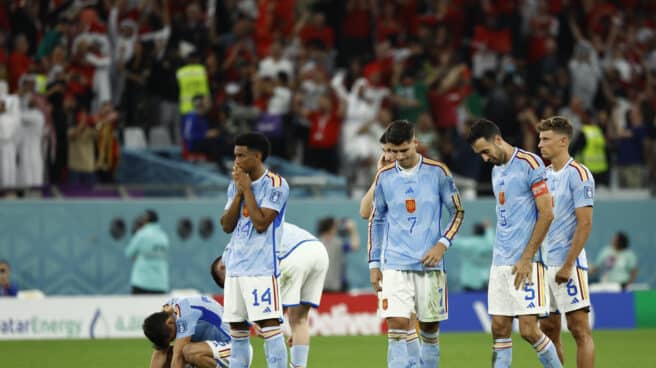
{"points": [[509, 151], [560, 161], [257, 172], [414, 163]]}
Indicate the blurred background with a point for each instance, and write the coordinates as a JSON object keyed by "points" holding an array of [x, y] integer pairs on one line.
{"points": [[110, 108]]}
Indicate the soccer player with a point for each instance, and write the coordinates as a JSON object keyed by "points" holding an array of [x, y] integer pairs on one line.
{"points": [[366, 207], [407, 244], [517, 286], [196, 324], [303, 267], [572, 186], [254, 214]]}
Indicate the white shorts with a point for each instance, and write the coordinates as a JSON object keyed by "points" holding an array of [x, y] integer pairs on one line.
{"points": [[569, 296], [504, 300], [221, 352], [302, 274], [405, 292], [251, 298]]}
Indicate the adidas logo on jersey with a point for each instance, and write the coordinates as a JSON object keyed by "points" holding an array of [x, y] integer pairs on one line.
{"points": [[409, 191], [267, 310], [575, 300], [532, 305]]}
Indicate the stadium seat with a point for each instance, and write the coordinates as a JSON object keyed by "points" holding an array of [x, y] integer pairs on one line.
{"points": [[134, 138], [159, 137]]}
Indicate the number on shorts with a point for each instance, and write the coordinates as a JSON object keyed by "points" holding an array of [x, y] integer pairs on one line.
{"points": [[530, 292], [413, 222], [571, 288], [266, 297]]}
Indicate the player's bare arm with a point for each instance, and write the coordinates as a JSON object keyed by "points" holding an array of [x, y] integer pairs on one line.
{"points": [[160, 359], [522, 269], [366, 203], [177, 361], [581, 234]]}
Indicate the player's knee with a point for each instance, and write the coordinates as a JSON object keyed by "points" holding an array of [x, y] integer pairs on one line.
{"points": [[430, 327], [189, 353], [501, 330], [580, 331], [550, 328], [529, 331]]}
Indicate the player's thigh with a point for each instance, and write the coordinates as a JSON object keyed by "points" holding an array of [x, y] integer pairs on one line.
{"points": [[234, 307], [315, 277], [398, 296], [431, 296], [261, 295], [572, 295], [506, 300]]}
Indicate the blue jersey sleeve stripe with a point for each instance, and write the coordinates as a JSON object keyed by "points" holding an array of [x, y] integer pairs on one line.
{"points": [[528, 158], [456, 223], [442, 166]]}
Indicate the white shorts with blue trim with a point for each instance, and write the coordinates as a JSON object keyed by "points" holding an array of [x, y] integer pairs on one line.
{"points": [[504, 300], [251, 298], [302, 274], [570, 296], [407, 292]]}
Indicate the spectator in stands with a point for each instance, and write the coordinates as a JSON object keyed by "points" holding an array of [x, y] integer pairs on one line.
{"points": [[476, 257], [10, 120], [339, 237], [202, 136], [631, 151], [616, 262], [325, 126], [82, 136], [19, 61], [149, 250], [137, 71], [6, 287], [30, 136], [107, 144]]}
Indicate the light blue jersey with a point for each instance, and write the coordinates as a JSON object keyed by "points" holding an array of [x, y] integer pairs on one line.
{"points": [[572, 187], [250, 253], [200, 317], [405, 222], [292, 237], [515, 185]]}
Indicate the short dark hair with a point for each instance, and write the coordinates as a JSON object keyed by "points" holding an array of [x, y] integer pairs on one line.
{"points": [[558, 124], [218, 279], [151, 216], [383, 138], [5, 262], [622, 240], [483, 128], [400, 131], [325, 224], [155, 329], [255, 141]]}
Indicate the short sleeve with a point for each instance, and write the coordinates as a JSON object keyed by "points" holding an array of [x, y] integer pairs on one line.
{"points": [[583, 191], [185, 324], [276, 195], [537, 174], [232, 191]]}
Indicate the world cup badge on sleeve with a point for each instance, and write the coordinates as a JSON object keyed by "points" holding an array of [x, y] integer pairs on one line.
{"points": [[410, 205]]}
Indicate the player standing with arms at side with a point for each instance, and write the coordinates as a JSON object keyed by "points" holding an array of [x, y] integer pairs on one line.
{"points": [[572, 187], [254, 214], [517, 286], [406, 243], [366, 207]]}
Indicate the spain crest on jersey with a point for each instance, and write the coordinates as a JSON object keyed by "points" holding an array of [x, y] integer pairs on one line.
{"points": [[410, 205], [502, 198]]}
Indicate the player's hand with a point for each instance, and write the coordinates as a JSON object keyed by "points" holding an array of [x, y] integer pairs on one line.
{"points": [[376, 277], [522, 271], [434, 255], [563, 275], [242, 180]]}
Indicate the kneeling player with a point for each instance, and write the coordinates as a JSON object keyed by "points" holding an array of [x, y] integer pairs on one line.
{"points": [[196, 324]]}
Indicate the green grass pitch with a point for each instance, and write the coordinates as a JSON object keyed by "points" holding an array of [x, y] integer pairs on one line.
{"points": [[614, 349]]}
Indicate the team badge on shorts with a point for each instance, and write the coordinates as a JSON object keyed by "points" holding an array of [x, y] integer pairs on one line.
{"points": [[384, 304], [410, 205]]}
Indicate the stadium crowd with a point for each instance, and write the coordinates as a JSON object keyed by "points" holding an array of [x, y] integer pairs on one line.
{"points": [[322, 79]]}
